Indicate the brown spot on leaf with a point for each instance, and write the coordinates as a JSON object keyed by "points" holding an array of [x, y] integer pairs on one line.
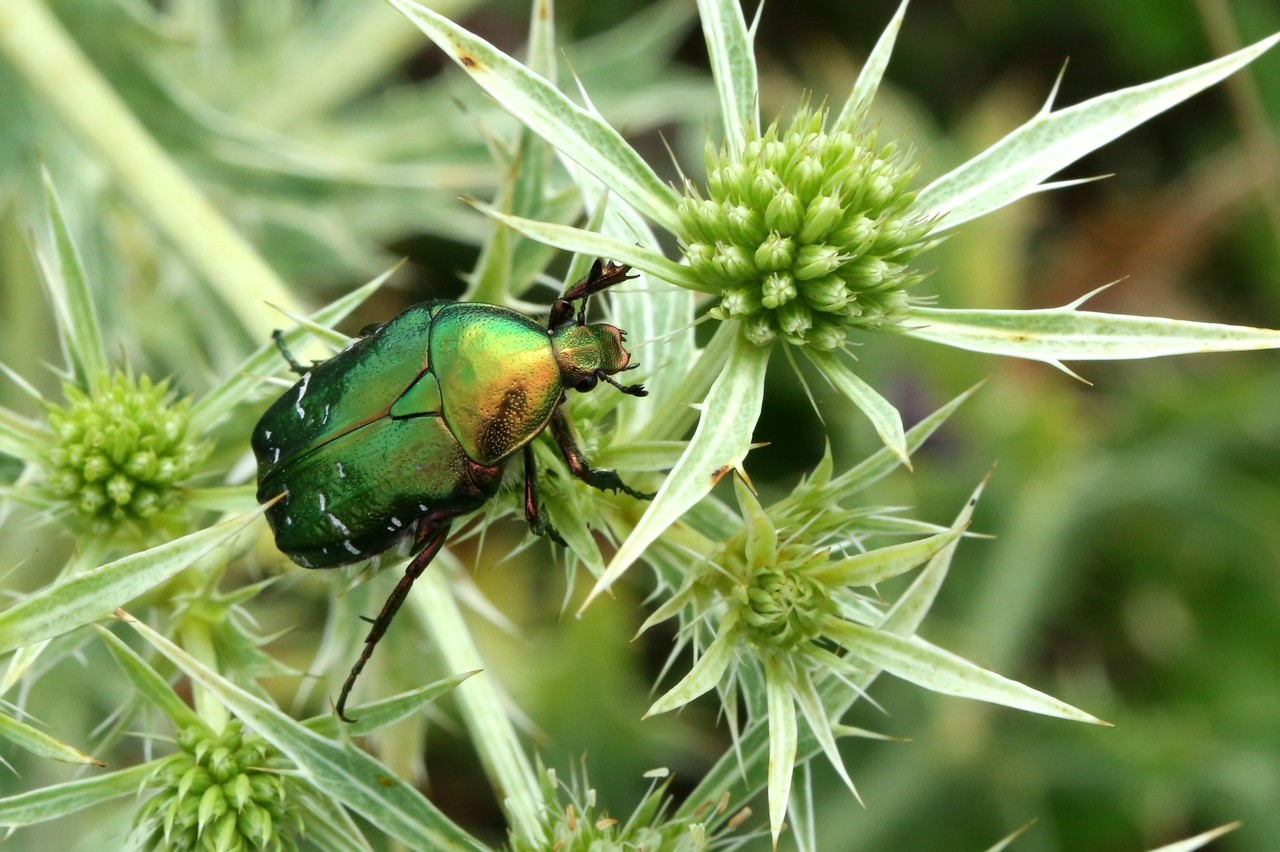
{"points": [[467, 61]]}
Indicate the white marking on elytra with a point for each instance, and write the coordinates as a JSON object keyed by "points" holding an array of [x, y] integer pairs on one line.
{"points": [[337, 524], [266, 433], [302, 391], [324, 501], [325, 419], [351, 548], [342, 474], [395, 522], [288, 520], [422, 508], [275, 455]]}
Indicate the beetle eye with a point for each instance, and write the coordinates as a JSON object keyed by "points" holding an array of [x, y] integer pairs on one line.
{"points": [[586, 384]]}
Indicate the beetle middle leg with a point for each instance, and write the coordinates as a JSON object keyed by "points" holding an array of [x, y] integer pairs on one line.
{"points": [[532, 513], [432, 530], [601, 478]]}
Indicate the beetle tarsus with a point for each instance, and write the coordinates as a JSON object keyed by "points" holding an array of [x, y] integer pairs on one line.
{"points": [[278, 337], [431, 534]]}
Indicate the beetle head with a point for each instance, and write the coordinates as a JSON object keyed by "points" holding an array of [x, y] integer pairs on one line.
{"points": [[590, 353]]}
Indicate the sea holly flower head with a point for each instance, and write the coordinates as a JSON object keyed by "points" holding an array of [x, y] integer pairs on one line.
{"points": [[221, 791], [120, 451], [791, 599], [574, 819], [793, 245], [806, 231]]}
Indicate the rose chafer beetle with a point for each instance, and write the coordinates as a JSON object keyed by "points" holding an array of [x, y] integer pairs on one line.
{"points": [[408, 428]]}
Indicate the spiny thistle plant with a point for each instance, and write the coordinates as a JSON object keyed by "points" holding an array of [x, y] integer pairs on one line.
{"points": [[804, 233], [807, 234]]}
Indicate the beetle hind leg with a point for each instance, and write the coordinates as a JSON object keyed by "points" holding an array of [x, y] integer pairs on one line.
{"points": [[432, 530], [278, 337], [601, 478]]}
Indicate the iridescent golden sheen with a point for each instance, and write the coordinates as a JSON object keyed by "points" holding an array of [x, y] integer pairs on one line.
{"points": [[498, 377]]}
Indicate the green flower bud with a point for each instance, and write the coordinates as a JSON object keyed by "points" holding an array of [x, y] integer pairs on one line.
{"points": [[794, 319], [820, 217], [783, 213], [778, 289], [760, 330], [828, 293], [815, 261], [776, 252]]}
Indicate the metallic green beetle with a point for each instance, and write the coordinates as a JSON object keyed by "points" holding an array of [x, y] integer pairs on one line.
{"points": [[408, 428]]}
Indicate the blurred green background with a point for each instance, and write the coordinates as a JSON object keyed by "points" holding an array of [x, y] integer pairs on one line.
{"points": [[1136, 567]]}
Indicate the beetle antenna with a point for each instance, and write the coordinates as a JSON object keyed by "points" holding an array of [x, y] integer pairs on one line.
{"points": [[633, 390]]}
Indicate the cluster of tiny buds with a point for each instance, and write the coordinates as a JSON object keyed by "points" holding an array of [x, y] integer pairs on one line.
{"points": [[806, 232], [120, 451]]}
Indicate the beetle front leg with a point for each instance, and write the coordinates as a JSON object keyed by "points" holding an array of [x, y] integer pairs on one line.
{"points": [[532, 513], [432, 530], [603, 274], [596, 477]]}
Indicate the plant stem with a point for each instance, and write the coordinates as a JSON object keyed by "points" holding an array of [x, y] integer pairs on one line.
{"points": [[42, 51], [195, 640], [479, 699]]}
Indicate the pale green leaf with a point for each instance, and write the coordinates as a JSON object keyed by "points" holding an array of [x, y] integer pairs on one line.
{"points": [[864, 88], [266, 360], [59, 800], [641, 455], [595, 244], [149, 683], [720, 443], [222, 498], [1016, 165], [884, 417], [733, 67], [908, 612], [41, 744], [1067, 334], [783, 737], [883, 462], [762, 537], [1008, 839], [21, 438], [874, 566], [913, 659], [1200, 840], [72, 300], [386, 711], [338, 769], [95, 594], [579, 133], [816, 716], [705, 673]]}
